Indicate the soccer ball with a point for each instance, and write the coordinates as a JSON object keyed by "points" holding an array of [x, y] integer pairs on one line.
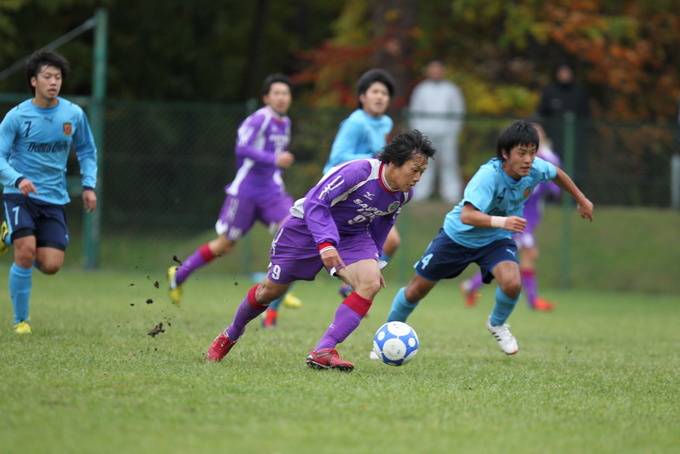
{"points": [[395, 343]]}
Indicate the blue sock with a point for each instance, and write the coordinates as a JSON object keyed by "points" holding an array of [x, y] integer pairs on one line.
{"points": [[503, 308], [20, 283], [385, 257], [276, 303], [401, 308]]}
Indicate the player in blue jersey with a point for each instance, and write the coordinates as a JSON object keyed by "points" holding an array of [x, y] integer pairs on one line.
{"points": [[364, 133], [526, 242], [478, 230], [35, 140], [257, 193], [340, 225]]}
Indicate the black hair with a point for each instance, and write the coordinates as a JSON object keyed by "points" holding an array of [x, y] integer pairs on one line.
{"points": [[519, 132], [405, 146], [42, 58], [272, 79], [372, 76]]}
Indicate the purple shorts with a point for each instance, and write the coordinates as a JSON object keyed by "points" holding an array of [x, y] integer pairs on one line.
{"points": [[524, 240], [295, 257], [238, 214]]}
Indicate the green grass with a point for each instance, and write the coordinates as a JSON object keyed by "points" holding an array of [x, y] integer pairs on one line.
{"points": [[599, 375]]}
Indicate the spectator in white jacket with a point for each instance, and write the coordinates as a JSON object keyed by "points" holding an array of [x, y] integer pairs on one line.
{"points": [[437, 109]]}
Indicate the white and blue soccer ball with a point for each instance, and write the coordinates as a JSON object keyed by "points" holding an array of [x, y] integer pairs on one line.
{"points": [[395, 343]]}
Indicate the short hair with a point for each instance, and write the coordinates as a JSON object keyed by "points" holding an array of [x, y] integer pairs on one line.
{"points": [[405, 146], [274, 78], [372, 76], [519, 132], [42, 58]]}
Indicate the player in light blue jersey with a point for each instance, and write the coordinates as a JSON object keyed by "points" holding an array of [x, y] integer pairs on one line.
{"points": [[35, 140], [479, 229], [364, 133]]}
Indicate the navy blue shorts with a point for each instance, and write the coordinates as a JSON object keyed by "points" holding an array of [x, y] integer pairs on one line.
{"points": [[446, 259], [27, 216]]}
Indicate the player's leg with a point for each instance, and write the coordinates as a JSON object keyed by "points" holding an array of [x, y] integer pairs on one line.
{"points": [[293, 256], [408, 298], [528, 257], [272, 212], [255, 303], [4, 238], [365, 277], [21, 278], [390, 247], [507, 294], [443, 259], [271, 315], [236, 218], [469, 289]]}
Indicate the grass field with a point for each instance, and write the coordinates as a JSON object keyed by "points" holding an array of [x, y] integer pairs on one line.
{"points": [[599, 375]]}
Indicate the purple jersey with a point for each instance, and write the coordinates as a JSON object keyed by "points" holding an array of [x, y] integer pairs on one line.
{"points": [[261, 137], [351, 198], [351, 207]]}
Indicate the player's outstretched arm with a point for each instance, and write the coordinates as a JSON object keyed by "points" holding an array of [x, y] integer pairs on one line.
{"points": [[585, 206]]}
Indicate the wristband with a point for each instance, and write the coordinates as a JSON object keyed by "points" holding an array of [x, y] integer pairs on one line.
{"points": [[325, 246], [498, 222]]}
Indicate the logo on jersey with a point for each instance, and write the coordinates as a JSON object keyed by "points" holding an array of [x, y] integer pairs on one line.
{"points": [[369, 196], [527, 192], [393, 207], [67, 129]]}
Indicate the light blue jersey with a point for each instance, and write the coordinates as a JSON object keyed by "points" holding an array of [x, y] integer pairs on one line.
{"points": [[493, 192], [360, 136], [35, 143]]}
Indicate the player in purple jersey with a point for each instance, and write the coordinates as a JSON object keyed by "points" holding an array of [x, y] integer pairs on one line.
{"points": [[35, 140], [526, 242], [340, 225], [257, 192], [363, 134]]}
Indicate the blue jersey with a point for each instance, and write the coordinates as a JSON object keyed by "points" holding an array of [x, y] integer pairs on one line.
{"points": [[35, 143], [360, 136], [494, 192]]}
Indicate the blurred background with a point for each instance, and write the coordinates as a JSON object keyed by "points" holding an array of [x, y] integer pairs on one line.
{"points": [[166, 84]]}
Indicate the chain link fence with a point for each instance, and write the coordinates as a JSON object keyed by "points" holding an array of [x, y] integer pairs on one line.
{"points": [[166, 164]]}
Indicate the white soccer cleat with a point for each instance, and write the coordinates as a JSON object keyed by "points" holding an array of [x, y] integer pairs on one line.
{"points": [[373, 355], [505, 339]]}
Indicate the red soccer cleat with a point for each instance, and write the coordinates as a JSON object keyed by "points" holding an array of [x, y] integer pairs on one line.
{"points": [[219, 348], [542, 305], [327, 358], [469, 295], [269, 318]]}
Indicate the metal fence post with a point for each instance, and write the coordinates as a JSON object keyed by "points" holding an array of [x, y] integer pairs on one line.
{"points": [[92, 221], [567, 204]]}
